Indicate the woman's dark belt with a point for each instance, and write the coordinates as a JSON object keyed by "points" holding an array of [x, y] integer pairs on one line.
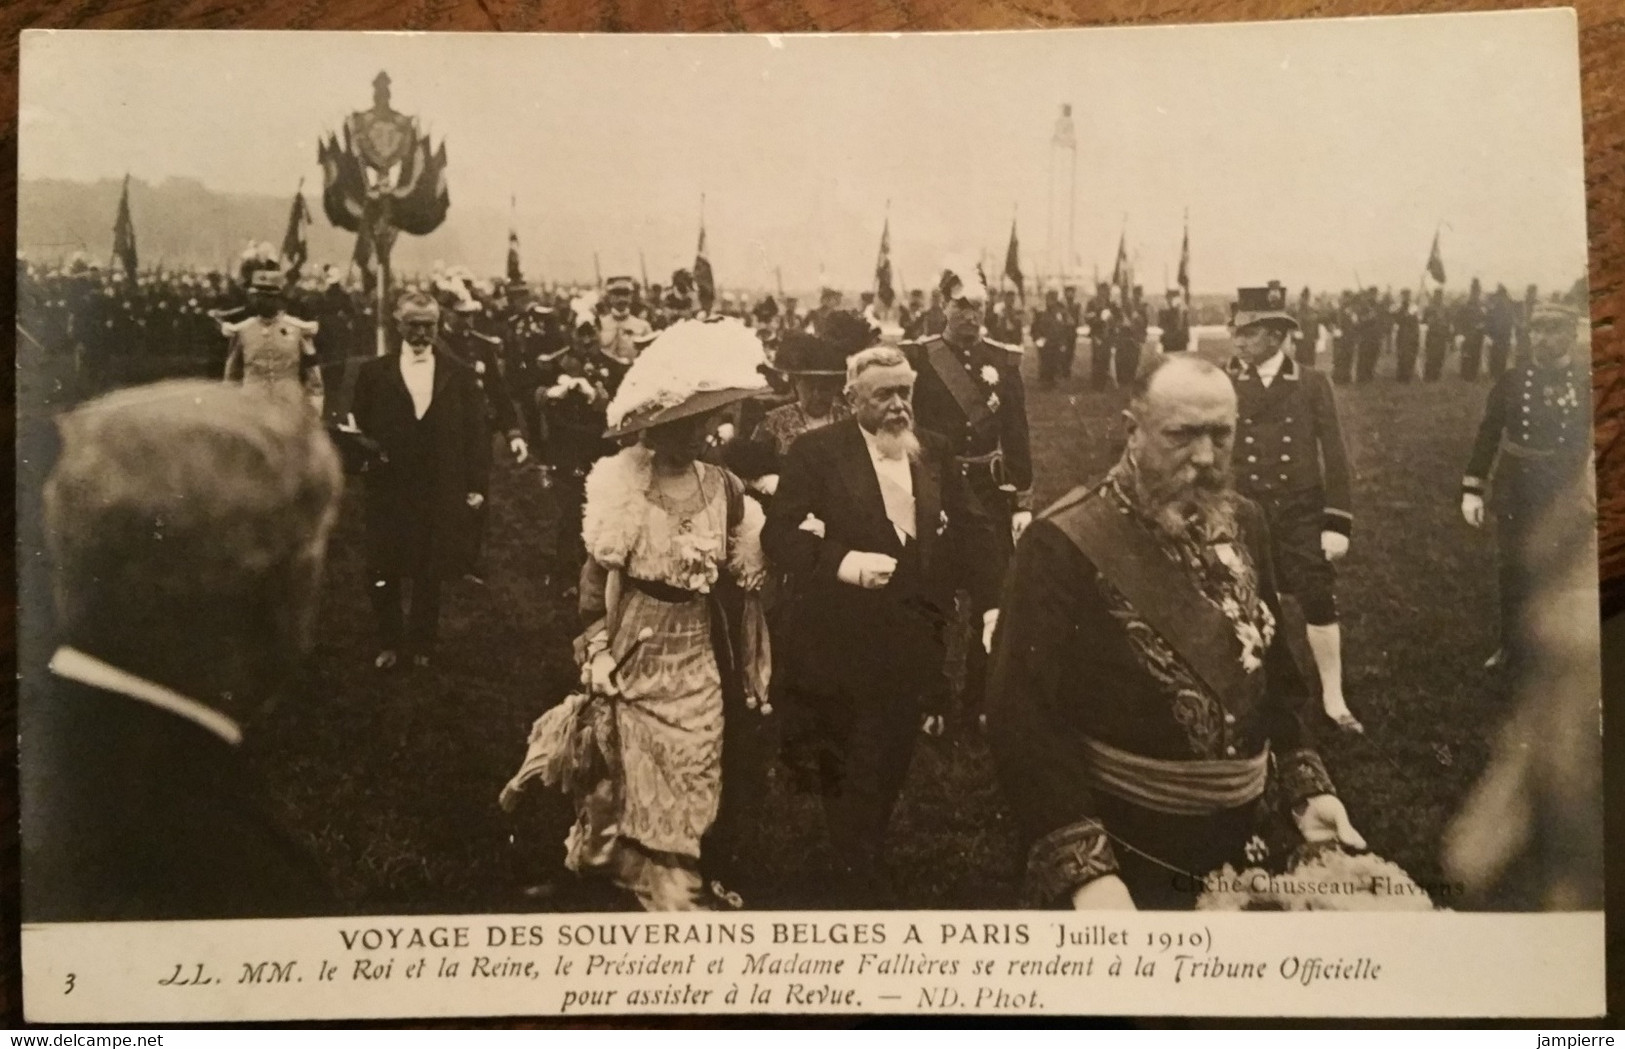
{"points": [[725, 615], [671, 595]]}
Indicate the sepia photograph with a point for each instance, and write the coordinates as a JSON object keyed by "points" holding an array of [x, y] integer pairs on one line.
{"points": [[848, 477]]}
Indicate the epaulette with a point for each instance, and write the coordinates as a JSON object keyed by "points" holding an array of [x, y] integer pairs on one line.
{"points": [[1010, 348], [492, 339], [229, 328], [306, 328]]}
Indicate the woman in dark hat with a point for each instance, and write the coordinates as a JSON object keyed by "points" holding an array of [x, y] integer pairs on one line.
{"points": [[816, 368]]}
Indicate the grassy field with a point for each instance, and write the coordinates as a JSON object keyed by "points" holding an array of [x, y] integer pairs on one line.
{"points": [[393, 779]]}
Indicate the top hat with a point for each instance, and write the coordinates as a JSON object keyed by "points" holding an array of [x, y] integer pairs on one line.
{"points": [[809, 355], [1266, 305]]}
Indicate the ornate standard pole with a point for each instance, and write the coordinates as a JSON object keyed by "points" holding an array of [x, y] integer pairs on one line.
{"points": [[383, 180]]}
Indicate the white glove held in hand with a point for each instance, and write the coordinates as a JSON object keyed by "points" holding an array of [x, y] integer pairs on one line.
{"points": [[598, 676], [1323, 818], [1105, 893], [1472, 509], [869, 571]]}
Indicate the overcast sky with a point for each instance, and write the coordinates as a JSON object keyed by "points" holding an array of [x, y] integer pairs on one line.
{"points": [[1304, 151]]}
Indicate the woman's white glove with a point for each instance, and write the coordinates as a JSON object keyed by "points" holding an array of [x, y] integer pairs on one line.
{"points": [[1472, 509], [598, 676]]}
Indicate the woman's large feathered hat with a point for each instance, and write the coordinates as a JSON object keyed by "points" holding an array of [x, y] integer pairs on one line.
{"points": [[691, 368]]}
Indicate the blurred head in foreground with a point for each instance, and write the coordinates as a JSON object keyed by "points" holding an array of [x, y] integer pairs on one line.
{"points": [[187, 524]]}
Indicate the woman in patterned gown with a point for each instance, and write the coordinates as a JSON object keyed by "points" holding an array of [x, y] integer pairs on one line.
{"points": [[674, 558]]}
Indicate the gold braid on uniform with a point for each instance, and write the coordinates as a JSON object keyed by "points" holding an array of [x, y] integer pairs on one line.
{"points": [[1064, 859]]}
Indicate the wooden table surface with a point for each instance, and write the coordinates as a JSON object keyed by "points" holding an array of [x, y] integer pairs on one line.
{"points": [[1602, 52]]}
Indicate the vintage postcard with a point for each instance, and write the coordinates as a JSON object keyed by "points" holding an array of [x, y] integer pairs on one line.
{"points": [[1091, 521]]}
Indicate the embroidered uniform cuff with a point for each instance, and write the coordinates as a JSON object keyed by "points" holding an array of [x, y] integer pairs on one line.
{"points": [[1064, 859], [1303, 775], [1339, 521], [1471, 485]]}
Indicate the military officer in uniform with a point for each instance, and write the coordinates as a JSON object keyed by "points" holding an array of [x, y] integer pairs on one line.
{"points": [[1291, 460], [272, 351], [1052, 331], [1439, 337], [1103, 318], [483, 353], [1175, 323], [1535, 444], [1074, 308], [533, 342], [970, 390], [622, 333], [1145, 715], [1407, 336]]}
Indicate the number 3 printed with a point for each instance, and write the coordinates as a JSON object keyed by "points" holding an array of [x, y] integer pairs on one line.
{"points": [[72, 979]]}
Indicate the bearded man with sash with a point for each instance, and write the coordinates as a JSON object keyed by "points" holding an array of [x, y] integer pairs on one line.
{"points": [[1145, 714]]}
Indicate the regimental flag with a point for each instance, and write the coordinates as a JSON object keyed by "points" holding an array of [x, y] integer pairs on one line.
{"points": [[295, 245], [1122, 275], [1012, 263], [1184, 277], [705, 285], [1065, 137], [421, 198], [1435, 260], [124, 234], [344, 186], [884, 292]]}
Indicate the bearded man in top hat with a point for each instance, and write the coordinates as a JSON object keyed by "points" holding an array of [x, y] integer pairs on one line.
{"points": [[424, 409], [273, 351], [1290, 458], [1145, 715], [970, 390]]}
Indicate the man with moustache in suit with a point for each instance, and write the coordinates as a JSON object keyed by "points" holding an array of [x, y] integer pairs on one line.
{"points": [[424, 408], [877, 526]]}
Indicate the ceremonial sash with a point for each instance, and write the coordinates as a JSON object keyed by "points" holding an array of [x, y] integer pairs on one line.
{"points": [[1160, 590], [1179, 788], [961, 387]]}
